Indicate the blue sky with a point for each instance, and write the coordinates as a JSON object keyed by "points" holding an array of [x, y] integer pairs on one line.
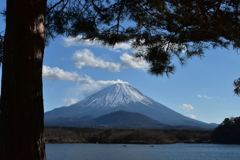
{"points": [[203, 89]]}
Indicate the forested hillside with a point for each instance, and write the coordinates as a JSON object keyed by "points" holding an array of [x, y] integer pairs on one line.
{"points": [[141, 136]]}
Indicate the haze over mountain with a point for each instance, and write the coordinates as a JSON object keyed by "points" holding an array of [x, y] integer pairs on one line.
{"points": [[122, 96], [118, 119]]}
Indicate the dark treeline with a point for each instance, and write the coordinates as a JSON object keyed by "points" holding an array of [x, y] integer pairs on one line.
{"points": [[141, 136], [228, 132]]}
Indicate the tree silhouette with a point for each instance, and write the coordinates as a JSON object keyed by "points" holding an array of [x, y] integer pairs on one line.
{"points": [[237, 86], [227, 132]]}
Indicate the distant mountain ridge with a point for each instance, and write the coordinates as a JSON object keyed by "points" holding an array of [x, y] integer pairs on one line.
{"points": [[122, 97], [118, 119]]}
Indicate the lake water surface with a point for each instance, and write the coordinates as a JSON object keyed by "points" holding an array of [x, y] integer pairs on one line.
{"points": [[178, 151]]}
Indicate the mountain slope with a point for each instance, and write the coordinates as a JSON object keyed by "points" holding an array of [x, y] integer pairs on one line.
{"points": [[119, 119], [124, 119], [123, 96]]}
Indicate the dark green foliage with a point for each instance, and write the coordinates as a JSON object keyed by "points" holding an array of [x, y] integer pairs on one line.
{"points": [[227, 132], [160, 30], [141, 136], [237, 86]]}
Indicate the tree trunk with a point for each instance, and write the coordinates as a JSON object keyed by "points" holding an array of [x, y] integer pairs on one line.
{"points": [[21, 116]]}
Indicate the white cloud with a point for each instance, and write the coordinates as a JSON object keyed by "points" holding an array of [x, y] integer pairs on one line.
{"points": [[87, 85], [124, 46], [133, 62], [78, 41], [70, 101], [203, 96], [87, 58], [89, 89], [192, 116], [55, 73], [174, 46], [187, 107]]}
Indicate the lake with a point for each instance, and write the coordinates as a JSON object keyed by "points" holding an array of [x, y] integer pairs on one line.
{"points": [[179, 151]]}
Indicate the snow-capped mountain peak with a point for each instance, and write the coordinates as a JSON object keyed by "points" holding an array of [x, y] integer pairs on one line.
{"points": [[117, 94], [125, 97]]}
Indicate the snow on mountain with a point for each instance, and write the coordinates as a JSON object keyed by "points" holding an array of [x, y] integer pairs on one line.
{"points": [[123, 96], [115, 95]]}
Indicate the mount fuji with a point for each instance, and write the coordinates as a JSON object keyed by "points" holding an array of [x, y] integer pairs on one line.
{"points": [[115, 98]]}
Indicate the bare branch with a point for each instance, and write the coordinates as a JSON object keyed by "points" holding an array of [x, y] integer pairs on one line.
{"points": [[55, 5]]}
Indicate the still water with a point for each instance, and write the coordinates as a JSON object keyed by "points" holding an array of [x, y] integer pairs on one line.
{"points": [[142, 152]]}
